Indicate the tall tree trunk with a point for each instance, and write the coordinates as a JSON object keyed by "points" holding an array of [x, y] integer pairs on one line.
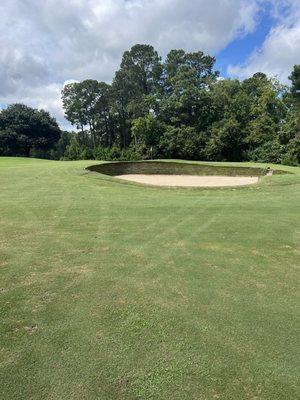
{"points": [[92, 134]]}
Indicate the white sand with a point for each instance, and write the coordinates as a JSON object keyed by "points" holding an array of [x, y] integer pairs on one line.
{"points": [[190, 180]]}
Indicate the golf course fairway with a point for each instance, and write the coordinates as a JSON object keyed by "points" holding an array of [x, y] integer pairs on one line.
{"points": [[114, 290]]}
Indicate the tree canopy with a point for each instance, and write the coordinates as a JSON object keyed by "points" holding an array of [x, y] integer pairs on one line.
{"points": [[178, 107], [27, 131]]}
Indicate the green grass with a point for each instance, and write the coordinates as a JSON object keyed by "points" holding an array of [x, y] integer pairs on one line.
{"points": [[111, 290]]}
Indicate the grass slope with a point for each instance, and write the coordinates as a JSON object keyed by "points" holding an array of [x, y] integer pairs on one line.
{"points": [[111, 290]]}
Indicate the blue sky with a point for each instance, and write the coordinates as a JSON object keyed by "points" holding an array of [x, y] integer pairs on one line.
{"points": [[240, 49], [43, 49]]}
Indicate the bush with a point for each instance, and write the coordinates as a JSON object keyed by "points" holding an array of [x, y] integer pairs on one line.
{"points": [[12, 144], [131, 154], [59, 150], [292, 155], [107, 154], [115, 154], [226, 142], [181, 142], [39, 153], [147, 130], [75, 151], [269, 152]]}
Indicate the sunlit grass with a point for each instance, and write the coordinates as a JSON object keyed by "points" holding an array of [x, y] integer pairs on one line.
{"points": [[112, 290]]}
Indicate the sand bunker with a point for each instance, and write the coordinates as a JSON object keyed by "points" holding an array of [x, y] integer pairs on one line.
{"points": [[190, 180]]}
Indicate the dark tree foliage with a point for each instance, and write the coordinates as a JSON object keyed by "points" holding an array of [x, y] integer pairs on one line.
{"points": [[25, 130], [172, 108], [134, 83], [180, 108], [12, 144], [181, 142], [87, 104], [295, 79]]}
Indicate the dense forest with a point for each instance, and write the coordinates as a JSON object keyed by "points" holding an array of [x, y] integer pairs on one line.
{"points": [[176, 108]]}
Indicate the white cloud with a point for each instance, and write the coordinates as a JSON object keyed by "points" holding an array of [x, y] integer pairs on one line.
{"points": [[281, 48], [45, 43], [17, 68], [47, 96]]}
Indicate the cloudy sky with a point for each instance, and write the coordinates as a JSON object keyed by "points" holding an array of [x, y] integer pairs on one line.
{"points": [[46, 43]]}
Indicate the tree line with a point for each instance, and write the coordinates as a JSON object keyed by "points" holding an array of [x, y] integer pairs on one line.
{"points": [[174, 108]]}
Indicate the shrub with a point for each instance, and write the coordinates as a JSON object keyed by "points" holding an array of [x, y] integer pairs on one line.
{"points": [[292, 155], [226, 142], [115, 154], [269, 152], [75, 151], [181, 142], [12, 143]]}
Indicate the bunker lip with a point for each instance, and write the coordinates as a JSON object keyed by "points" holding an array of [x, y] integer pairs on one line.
{"points": [[172, 173], [189, 180]]}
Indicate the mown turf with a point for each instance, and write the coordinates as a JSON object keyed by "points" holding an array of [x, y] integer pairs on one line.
{"points": [[111, 290]]}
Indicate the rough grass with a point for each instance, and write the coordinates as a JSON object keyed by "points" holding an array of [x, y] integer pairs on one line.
{"points": [[111, 290]]}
